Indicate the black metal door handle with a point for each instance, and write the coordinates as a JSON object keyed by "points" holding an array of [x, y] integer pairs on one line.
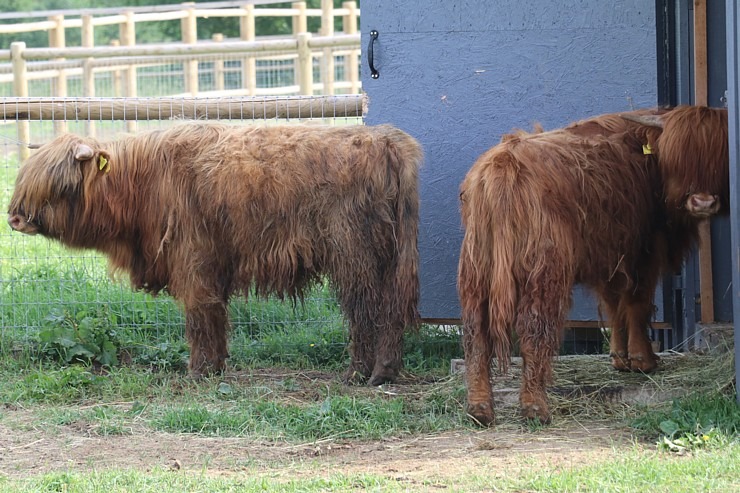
{"points": [[373, 36]]}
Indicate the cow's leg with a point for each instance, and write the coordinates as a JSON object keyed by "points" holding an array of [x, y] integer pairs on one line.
{"points": [[543, 306], [362, 333], [397, 307], [376, 342], [206, 328], [636, 306], [388, 354], [539, 342], [618, 327], [478, 348], [639, 349]]}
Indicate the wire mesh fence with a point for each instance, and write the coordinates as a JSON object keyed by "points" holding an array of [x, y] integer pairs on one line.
{"points": [[43, 284]]}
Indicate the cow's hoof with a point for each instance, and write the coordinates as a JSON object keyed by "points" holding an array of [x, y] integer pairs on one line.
{"points": [[642, 363], [481, 413], [206, 370], [620, 362], [536, 412], [384, 377]]}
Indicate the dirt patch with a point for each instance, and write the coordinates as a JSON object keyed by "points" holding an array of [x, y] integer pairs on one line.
{"points": [[27, 451], [588, 426]]}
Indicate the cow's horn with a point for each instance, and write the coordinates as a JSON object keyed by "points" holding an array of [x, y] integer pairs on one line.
{"points": [[84, 152], [647, 120]]}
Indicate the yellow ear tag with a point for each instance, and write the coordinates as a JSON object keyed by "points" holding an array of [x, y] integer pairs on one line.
{"points": [[103, 164], [647, 149]]}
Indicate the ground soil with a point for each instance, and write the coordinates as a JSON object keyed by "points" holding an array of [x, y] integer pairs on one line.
{"points": [[30, 451], [26, 449]]}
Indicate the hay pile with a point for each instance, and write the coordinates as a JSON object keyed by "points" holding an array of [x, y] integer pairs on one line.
{"points": [[588, 386]]}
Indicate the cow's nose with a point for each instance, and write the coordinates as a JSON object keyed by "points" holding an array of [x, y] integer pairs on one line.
{"points": [[15, 221], [705, 202]]}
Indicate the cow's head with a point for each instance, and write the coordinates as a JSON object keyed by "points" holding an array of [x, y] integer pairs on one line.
{"points": [[50, 187], [692, 152]]}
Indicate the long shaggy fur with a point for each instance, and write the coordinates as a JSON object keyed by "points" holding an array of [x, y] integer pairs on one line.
{"points": [[583, 204], [207, 211]]}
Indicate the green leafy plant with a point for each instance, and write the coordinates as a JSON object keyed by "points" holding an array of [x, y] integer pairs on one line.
{"points": [[164, 356], [82, 337], [696, 422]]}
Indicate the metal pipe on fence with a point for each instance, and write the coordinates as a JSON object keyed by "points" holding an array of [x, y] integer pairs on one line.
{"points": [[24, 109]]}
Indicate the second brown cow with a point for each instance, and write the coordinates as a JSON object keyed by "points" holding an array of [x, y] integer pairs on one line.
{"points": [[612, 202]]}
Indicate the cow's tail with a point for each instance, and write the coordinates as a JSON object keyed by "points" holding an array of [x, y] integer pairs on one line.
{"points": [[486, 277], [406, 157]]}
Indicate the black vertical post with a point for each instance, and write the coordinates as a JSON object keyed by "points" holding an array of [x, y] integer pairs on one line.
{"points": [[665, 36], [733, 106]]}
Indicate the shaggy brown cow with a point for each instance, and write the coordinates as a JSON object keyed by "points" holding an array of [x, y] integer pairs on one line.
{"points": [[609, 202], [207, 211]]}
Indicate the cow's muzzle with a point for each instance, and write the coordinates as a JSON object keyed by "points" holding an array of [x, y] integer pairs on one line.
{"points": [[20, 224], [702, 204]]}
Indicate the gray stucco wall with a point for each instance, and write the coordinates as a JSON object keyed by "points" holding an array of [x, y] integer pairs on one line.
{"points": [[459, 74]]}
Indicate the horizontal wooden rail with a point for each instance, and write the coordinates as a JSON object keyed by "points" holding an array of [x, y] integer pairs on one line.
{"points": [[243, 108], [241, 47], [144, 8], [182, 12]]}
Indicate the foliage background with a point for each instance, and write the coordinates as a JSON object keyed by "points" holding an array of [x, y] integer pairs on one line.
{"points": [[149, 32]]}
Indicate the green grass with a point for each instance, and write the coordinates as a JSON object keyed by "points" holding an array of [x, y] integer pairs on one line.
{"points": [[713, 471], [637, 472], [270, 408], [162, 481]]}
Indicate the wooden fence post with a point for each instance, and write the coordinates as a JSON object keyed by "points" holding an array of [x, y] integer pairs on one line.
{"points": [[300, 21], [128, 38], [706, 278], [190, 36], [218, 66], [352, 59], [327, 59], [116, 75], [247, 32], [305, 64], [88, 76], [56, 40], [20, 90]]}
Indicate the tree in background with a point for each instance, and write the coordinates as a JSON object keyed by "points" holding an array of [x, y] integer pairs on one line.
{"points": [[149, 32]]}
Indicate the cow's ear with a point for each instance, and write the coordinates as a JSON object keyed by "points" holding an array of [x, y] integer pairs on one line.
{"points": [[83, 153], [648, 120]]}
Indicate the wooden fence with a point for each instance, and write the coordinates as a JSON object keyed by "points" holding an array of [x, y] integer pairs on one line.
{"points": [[123, 56], [122, 60]]}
